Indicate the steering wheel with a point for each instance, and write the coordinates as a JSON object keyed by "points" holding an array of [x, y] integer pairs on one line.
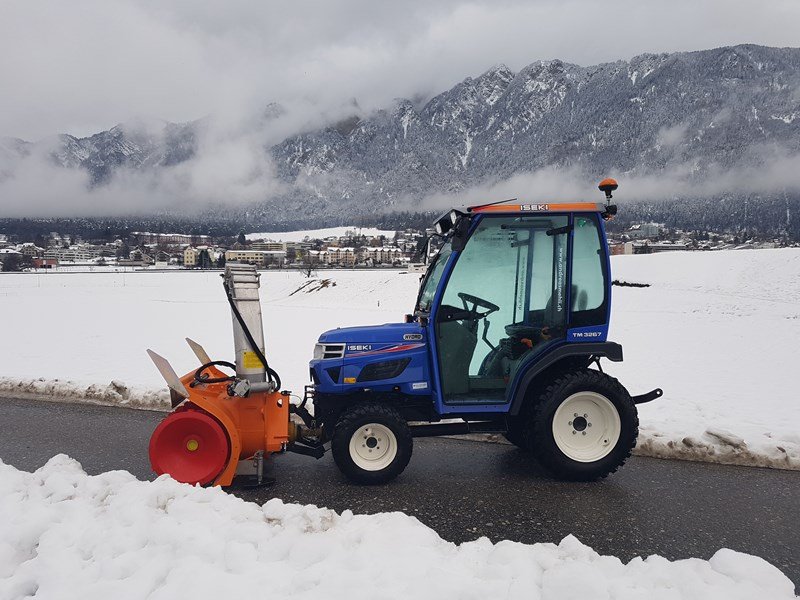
{"points": [[477, 302], [200, 377]]}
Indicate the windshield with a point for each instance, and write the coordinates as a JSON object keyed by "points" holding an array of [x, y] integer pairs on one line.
{"points": [[432, 277]]}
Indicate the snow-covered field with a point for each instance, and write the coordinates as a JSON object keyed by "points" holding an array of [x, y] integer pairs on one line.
{"points": [[65, 535], [319, 234], [719, 332]]}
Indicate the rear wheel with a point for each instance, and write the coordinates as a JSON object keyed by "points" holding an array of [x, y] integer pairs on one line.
{"points": [[583, 426], [371, 443]]}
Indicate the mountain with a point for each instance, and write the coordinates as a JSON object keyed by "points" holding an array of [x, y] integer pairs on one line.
{"points": [[694, 113]]}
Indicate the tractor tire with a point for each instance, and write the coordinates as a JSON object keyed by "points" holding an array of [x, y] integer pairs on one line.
{"points": [[371, 443], [583, 426]]}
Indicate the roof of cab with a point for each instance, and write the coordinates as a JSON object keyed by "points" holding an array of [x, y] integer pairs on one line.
{"points": [[539, 207]]}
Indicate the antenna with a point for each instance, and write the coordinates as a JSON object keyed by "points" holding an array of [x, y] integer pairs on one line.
{"points": [[477, 206]]}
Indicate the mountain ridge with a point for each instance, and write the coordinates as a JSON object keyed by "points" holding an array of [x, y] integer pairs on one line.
{"points": [[695, 113]]}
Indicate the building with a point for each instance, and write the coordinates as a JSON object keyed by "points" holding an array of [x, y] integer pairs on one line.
{"points": [[45, 263], [381, 255], [343, 257], [145, 237], [615, 248], [72, 254], [30, 250], [266, 245], [190, 257], [260, 258], [645, 230]]}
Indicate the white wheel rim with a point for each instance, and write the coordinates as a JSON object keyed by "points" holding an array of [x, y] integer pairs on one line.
{"points": [[586, 427], [373, 447]]}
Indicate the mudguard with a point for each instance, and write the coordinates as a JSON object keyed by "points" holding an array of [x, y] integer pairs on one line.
{"points": [[611, 350]]}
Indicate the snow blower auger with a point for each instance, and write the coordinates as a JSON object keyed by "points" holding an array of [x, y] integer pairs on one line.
{"points": [[227, 426]]}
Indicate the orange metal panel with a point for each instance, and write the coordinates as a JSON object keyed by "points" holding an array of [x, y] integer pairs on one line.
{"points": [[542, 207]]}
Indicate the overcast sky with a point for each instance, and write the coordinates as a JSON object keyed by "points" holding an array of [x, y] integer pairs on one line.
{"points": [[81, 67]]}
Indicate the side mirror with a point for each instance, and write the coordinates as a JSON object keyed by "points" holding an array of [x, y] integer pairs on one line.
{"points": [[461, 230]]}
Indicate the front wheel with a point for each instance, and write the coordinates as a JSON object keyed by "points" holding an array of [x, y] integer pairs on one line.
{"points": [[584, 426], [371, 443]]}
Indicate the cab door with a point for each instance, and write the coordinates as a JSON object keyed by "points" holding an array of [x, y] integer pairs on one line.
{"points": [[505, 299]]}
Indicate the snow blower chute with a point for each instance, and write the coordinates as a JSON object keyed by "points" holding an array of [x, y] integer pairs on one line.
{"points": [[223, 426]]}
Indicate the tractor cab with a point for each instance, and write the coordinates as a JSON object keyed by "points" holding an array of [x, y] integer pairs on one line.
{"points": [[509, 283]]}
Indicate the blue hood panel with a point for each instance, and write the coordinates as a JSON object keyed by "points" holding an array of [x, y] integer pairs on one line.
{"points": [[376, 347], [374, 334]]}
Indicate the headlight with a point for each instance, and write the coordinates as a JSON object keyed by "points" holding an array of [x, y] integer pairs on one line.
{"points": [[328, 351]]}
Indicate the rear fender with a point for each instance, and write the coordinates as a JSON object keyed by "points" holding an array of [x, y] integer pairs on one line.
{"points": [[610, 350]]}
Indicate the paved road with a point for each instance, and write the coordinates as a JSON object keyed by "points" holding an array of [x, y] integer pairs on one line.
{"points": [[468, 489]]}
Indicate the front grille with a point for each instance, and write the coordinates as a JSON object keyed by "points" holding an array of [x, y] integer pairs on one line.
{"points": [[388, 369], [329, 351]]}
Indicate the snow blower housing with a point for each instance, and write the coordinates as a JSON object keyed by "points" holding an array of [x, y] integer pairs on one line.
{"points": [[511, 315]]}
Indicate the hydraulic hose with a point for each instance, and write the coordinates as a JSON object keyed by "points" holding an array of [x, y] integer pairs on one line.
{"points": [[272, 375]]}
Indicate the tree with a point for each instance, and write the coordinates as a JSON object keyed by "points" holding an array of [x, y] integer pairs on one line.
{"points": [[123, 251], [241, 239], [221, 261], [204, 259], [12, 262], [308, 266]]}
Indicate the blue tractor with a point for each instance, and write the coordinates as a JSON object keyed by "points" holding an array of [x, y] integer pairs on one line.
{"points": [[511, 317]]}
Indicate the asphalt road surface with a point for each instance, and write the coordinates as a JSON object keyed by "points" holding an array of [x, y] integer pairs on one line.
{"points": [[466, 489]]}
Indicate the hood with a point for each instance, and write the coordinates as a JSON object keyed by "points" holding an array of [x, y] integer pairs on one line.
{"points": [[374, 334]]}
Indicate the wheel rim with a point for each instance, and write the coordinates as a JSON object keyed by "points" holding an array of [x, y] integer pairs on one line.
{"points": [[373, 447], [586, 427]]}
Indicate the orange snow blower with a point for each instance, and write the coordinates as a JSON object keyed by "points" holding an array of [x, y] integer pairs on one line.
{"points": [[224, 426]]}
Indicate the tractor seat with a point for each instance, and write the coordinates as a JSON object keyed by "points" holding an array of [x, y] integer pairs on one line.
{"points": [[523, 330]]}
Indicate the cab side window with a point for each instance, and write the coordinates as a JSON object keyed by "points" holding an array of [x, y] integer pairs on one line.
{"points": [[588, 294]]}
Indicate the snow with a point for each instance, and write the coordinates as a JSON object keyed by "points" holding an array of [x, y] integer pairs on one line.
{"points": [[717, 331], [66, 535], [299, 236]]}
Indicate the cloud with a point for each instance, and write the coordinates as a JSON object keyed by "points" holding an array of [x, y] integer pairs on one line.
{"points": [[83, 67], [775, 171]]}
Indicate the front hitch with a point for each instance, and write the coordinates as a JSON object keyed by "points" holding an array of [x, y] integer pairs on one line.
{"points": [[648, 397]]}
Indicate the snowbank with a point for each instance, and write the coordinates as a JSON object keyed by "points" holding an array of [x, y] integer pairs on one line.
{"points": [[67, 535], [116, 393]]}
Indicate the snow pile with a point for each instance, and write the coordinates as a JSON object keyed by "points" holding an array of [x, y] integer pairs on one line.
{"points": [[116, 393], [67, 535], [318, 234]]}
